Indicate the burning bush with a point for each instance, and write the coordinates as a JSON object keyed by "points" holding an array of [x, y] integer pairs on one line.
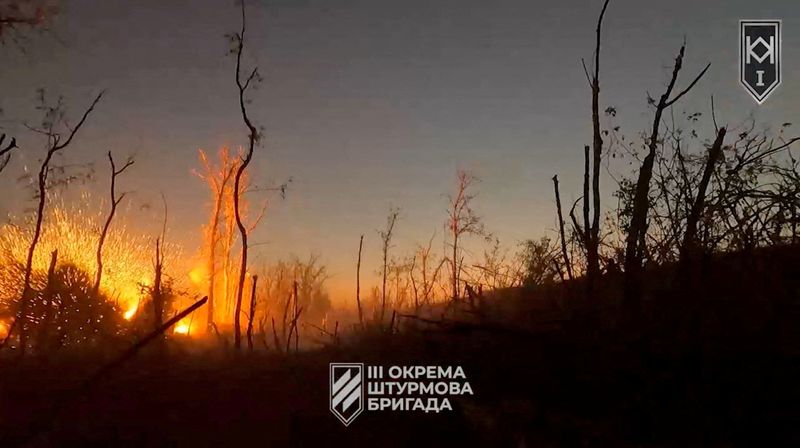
{"points": [[74, 233], [64, 312]]}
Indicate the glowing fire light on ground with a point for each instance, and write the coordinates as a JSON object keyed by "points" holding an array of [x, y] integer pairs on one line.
{"points": [[131, 312], [186, 326], [74, 232]]}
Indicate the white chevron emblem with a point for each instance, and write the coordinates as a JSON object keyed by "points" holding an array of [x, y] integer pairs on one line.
{"points": [[346, 390]]}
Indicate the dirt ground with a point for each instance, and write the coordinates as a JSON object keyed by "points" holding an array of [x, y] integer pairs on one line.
{"points": [[728, 377]]}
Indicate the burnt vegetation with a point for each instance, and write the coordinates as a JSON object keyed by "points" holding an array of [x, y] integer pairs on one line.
{"points": [[665, 316]]}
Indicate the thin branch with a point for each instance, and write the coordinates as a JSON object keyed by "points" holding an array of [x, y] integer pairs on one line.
{"points": [[689, 87]]}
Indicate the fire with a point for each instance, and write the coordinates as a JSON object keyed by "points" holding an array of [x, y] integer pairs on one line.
{"points": [[74, 232], [184, 327], [131, 312], [198, 275]]}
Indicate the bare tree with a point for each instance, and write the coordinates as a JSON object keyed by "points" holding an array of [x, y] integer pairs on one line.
{"points": [[585, 232], [592, 231], [400, 271], [157, 293], [498, 269], [429, 273], [564, 252], [5, 155], [386, 244], [44, 326], [252, 314], [115, 201], [293, 328], [461, 221], [714, 154], [310, 276], [253, 137], [218, 179], [53, 116], [537, 261], [414, 285], [358, 282], [727, 196], [641, 203]]}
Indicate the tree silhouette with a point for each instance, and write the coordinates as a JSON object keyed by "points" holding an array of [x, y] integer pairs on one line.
{"points": [[115, 200], [461, 221], [54, 115], [641, 202], [218, 178], [386, 244], [253, 137]]}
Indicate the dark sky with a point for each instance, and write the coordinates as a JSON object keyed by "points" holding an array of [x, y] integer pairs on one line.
{"points": [[373, 103]]}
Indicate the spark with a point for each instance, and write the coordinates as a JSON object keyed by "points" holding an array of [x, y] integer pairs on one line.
{"points": [[74, 231]]}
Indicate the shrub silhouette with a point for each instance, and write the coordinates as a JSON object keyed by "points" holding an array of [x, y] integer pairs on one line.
{"points": [[64, 311]]}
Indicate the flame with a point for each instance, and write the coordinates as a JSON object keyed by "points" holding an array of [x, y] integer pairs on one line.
{"points": [[198, 275], [74, 232], [131, 312], [185, 326]]}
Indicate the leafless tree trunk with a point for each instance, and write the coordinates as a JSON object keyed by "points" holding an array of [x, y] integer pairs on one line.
{"points": [[284, 324], [414, 287], [157, 293], [212, 265], [358, 282], [585, 234], [156, 334], [593, 230], [55, 144], [386, 243], [219, 181], [564, 253], [5, 157], [297, 310], [293, 329], [253, 137], [275, 338], [641, 203], [461, 220], [714, 153], [114, 203], [252, 314], [44, 327], [429, 275], [227, 262]]}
